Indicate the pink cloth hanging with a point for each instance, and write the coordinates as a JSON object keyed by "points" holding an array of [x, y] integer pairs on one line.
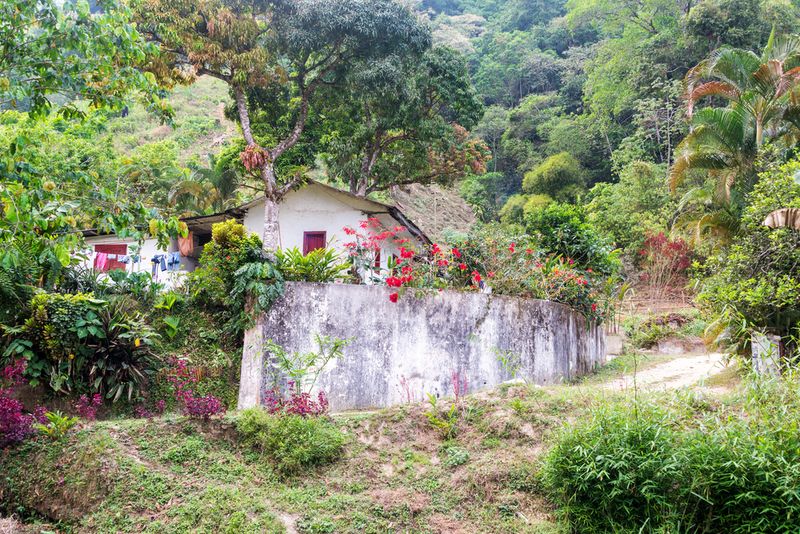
{"points": [[100, 261]]}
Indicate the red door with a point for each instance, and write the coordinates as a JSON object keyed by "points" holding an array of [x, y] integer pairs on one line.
{"points": [[313, 241], [111, 264]]}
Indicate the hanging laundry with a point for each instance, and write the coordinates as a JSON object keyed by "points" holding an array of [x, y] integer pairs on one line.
{"points": [[100, 261], [124, 259], [186, 245], [174, 261]]}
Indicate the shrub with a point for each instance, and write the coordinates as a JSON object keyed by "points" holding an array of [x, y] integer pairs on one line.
{"points": [[664, 262], [563, 229], [754, 284], [645, 468], [320, 265], [87, 407], [292, 442], [57, 425], [234, 273], [513, 210], [618, 471], [560, 177], [15, 424]]}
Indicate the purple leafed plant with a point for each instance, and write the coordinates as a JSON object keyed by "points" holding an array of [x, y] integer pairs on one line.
{"points": [[15, 424], [87, 407], [202, 407], [302, 404]]}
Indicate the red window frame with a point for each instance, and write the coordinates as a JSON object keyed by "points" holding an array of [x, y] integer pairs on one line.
{"points": [[314, 240], [120, 249]]}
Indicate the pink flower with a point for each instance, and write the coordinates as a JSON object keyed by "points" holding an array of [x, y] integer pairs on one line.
{"points": [[394, 296], [349, 231], [490, 274]]}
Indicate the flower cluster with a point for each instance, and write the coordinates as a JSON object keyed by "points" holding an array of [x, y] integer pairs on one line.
{"points": [[301, 404], [367, 242], [183, 378], [87, 407]]}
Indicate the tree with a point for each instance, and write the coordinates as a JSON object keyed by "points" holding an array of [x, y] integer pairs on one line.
{"points": [[559, 177], [284, 50], [54, 53], [763, 94], [60, 49], [398, 123]]}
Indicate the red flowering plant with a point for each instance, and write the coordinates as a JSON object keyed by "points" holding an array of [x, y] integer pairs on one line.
{"points": [[664, 262], [366, 243]]}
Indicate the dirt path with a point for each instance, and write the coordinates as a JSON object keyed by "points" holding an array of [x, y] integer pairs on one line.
{"points": [[686, 370]]}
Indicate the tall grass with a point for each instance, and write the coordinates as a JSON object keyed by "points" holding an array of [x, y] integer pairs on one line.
{"points": [[683, 466]]}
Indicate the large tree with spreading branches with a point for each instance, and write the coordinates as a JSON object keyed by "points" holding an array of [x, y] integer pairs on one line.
{"points": [[402, 122], [284, 49]]}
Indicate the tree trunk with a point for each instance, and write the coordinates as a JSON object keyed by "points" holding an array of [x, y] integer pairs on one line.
{"points": [[271, 237], [251, 378]]}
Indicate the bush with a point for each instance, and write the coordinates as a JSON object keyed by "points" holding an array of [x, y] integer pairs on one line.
{"points": [[560, 177], [292, 442], [618, 471], [320, 265], [563, 229], [234, 271], [755, 283], [645, 468]]}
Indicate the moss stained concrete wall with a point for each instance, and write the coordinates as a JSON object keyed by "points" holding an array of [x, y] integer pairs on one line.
{"points": [[402, 351]]}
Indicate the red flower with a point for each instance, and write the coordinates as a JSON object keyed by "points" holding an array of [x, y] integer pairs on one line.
{"points": [[406, 269], [571, 261], [456, 253], [393, 281], [227, 257], [594, 307], [490, 274], [462, 266], [588, 270], [393, 297], [435, 249], [442, 263], [528, 251], [476, 276], [405, 253], [349, 231], [512, 247]]}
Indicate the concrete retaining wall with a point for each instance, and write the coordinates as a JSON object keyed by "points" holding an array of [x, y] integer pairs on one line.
{"points": [[414, 346]]}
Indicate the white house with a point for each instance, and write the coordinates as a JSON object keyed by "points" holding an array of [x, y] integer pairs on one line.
{"points": [[311, 217]]}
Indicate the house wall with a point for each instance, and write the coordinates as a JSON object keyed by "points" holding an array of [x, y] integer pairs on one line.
{"points": [[413, 347], [317, 208]]}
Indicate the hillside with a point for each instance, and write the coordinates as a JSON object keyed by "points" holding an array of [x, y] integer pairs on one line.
{"points": [[398, 472], [200, 127]]}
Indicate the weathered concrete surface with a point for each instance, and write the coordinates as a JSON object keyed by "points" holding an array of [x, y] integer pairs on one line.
{"points": [[421, 342]]}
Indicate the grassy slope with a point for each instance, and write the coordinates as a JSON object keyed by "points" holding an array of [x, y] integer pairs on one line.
{"points": [[398, 474], [200, 127]]}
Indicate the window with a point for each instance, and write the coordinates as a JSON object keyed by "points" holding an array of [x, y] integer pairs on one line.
{"points": [[313, 241], [112, 253]]}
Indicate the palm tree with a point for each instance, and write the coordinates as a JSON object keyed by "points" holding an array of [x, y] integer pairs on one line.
{"points": [[206, 190], [763, 96]]}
